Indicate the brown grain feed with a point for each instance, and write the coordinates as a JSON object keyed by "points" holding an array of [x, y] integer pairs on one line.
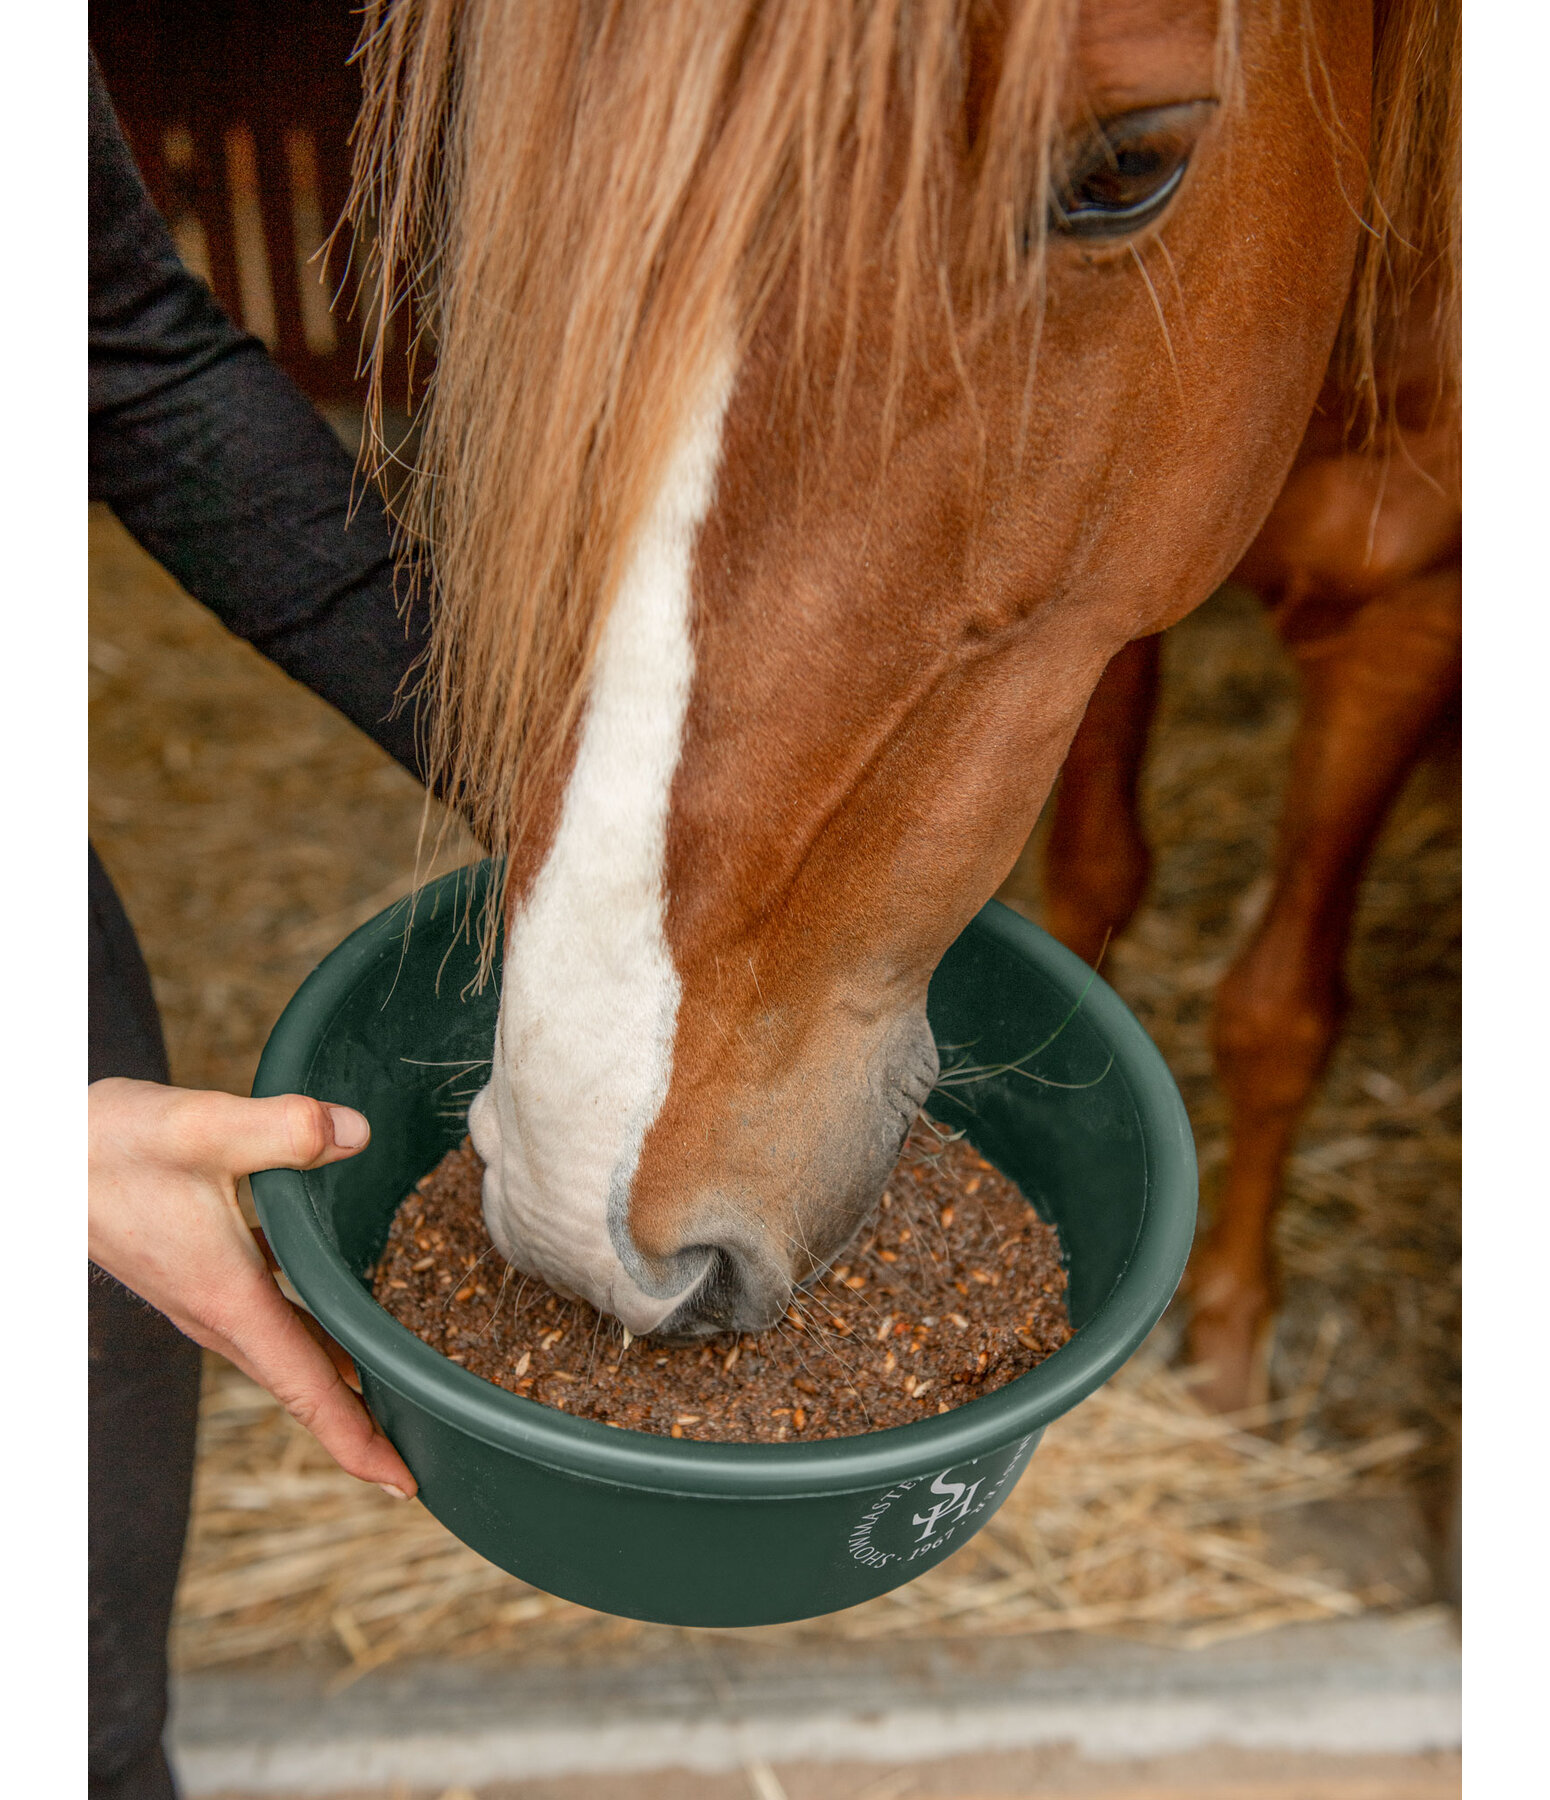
{"points": [[953, 1290]]}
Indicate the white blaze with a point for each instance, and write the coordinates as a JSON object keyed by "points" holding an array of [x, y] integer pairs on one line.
{"points": [[589, 995]]}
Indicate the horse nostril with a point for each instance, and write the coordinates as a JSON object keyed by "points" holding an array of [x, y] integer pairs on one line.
{"points": [[703, 1313], [740, 1292]]}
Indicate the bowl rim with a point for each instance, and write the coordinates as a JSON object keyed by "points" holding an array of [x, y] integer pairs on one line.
{"points": [[391, 1354]]}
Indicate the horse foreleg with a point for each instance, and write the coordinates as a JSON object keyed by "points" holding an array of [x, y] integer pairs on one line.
{"points": [[1372, 691], [1096, 860]]}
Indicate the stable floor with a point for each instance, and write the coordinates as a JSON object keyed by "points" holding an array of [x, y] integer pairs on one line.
{"points": [[1216, 1774]]}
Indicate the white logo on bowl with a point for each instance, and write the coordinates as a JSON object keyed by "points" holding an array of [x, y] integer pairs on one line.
{"points": [[958, 1498], [947, 1506]]}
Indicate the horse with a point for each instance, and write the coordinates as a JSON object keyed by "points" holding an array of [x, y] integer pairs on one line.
{"points": [[825, 393], [1359, 566]]}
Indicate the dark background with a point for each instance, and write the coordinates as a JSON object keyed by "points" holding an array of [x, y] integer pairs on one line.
{"points": [[239, 115]]}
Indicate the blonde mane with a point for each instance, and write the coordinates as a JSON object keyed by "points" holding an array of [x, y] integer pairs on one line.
{"points": [[1410, 254], [581, 205]]}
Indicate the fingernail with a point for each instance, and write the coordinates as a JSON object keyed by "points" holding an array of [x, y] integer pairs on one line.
{"points": [[351, 1129], [397, 1493]]}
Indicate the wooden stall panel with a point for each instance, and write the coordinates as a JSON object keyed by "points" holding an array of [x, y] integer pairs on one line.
{"points": [[239, 115]]}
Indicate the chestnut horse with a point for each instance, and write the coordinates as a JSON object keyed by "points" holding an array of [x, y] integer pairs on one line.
{"points": [[825, 392], [1359, 565]]}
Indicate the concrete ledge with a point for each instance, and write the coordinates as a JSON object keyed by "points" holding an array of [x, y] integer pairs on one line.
{"points": [[1375, 1685]]}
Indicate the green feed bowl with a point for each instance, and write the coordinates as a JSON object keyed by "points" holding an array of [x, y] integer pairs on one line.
{"points": [[1077, 1107]]}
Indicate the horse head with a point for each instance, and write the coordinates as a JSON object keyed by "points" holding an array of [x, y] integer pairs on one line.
{"points": [[1014, 335]]}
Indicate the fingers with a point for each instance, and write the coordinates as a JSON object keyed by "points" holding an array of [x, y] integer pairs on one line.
{"points": [[163, 1217], [274, 1346], [331, 1348], [288, 1131]]}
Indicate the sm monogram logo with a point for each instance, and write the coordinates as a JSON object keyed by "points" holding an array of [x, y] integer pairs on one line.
{"points": [[956, 1500]]}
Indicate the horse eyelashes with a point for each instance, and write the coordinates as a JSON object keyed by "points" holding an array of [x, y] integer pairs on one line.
{"points": [[1124, 176], [1087, 215]]}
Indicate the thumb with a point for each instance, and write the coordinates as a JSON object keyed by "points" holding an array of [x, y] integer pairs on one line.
{"points": [[287, 1131]]}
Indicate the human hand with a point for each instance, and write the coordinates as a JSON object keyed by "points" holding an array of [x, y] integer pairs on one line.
{"points": [[163, 1218]]}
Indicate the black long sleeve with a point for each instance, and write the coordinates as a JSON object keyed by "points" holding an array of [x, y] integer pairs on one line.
{"points": [[224, 472]]}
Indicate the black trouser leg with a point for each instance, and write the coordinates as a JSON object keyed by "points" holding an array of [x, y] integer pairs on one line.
{"points": [[144, 1397], [144, 1401]]}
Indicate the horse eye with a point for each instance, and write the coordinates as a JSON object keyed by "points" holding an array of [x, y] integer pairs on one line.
{"points": [[1123, 176]]}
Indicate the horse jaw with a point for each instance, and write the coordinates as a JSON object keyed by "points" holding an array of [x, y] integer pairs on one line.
{"points": [[589, 996]]}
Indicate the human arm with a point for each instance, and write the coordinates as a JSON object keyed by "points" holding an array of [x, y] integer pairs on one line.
{"points": [[227, 475], [229, 478]]}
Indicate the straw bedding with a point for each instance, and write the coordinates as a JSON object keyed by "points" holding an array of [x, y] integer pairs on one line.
{"points": [[249, 829], [1137, 1511]]}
